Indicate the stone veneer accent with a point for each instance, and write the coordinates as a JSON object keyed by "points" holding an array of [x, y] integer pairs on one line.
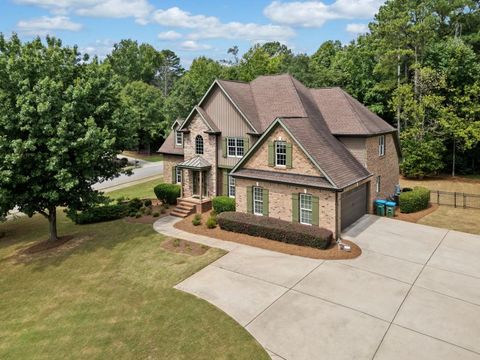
{"points": [[301, 164], [168, 162], [384, 166], [198, 127], [280, 200]]}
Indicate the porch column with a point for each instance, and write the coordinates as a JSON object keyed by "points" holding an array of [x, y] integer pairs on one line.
{"points": [[181, 184], [201, 185]]}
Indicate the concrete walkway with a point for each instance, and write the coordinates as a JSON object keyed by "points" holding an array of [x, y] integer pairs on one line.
{"points": [[414, 293]]}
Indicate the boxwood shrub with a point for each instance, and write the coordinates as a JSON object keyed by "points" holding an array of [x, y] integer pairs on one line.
{"points": [[105, 212], [223, 203], [415, 200], [167, 193], [275, 229]]}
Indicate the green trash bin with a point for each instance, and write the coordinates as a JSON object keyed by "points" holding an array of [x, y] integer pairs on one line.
{"points": [[390, 206], [380, 207]]}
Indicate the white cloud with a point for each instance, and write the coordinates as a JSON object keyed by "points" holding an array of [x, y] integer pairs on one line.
{"points": [[100, 48], [316, 13], [138, 9], [169, 35], [47, 25], [357, 28], [191, 45], [209, 27]]}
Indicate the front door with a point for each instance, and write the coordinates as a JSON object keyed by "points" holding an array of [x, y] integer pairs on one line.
{"points": [[196, 183]]}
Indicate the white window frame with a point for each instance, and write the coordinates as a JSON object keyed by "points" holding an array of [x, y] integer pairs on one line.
{"points": [[257, 197], [198, 145], [378, 184], [178, 175], [177, 142], [381, 145], [282, 144], [231, 186], [304, 201], [237, 145]]}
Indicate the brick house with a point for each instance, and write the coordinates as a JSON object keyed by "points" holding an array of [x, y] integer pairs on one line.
{"points": [[314, 156]]}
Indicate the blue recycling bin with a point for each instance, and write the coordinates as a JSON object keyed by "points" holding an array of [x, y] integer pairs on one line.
{"points": [[380, 207], [390, 208]]}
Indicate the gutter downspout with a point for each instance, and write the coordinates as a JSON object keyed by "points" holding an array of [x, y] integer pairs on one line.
{"points": [[337, 222]]}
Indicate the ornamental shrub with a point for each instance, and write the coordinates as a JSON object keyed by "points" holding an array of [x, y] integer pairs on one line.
{"points": [[275, 229], [105, 212], [167, 193], [415, 200], [211, 222], [197, 220], [147, 203], [223, 203]]}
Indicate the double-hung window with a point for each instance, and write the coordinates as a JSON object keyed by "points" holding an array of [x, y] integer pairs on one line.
{"points": [[178, 138], [381, 145], [178, 175], [258, 201], [306, 209], [378, 184], [280, 153], [235, 147], [231, 186]]}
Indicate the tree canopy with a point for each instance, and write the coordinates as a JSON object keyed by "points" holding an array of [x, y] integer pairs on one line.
{"points": [[61, 127]]}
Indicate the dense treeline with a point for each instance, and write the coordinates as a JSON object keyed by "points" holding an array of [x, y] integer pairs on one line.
{"points": [[418, 68]]}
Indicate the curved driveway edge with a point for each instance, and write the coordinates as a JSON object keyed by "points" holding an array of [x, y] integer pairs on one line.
{"points": [[413, 293]]}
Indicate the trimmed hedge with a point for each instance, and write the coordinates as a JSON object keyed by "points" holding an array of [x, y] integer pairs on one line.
{"points": [[223, 203], [167, 193], [415, 200], [275, 229], [105, 212]]}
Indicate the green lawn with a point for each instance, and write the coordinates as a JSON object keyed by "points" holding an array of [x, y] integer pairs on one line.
{"points": [[465, 220], [150, 158], [109, 297], [143, 190]]}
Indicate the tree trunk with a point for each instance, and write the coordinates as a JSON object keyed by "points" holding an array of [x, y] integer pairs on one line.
{"points": [[52, 220], [453, 157]]}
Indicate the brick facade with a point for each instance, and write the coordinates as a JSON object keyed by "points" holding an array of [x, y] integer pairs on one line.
{"points": [[168, 162], [301, 164], [280, 200], [385, 166], [198, 127]]}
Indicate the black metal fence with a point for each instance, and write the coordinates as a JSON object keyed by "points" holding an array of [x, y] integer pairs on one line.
{"points": [[456, 199]]}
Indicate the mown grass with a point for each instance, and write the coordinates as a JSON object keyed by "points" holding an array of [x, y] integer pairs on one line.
{"points": [[110, 296], [458, 184], [142, 190], [460, 219]]}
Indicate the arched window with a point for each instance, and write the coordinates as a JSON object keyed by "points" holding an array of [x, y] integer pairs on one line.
{"points": [[199, 145]]}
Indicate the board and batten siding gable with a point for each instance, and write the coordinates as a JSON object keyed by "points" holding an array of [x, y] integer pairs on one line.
{"points": [[229, 121], [301, 164]]}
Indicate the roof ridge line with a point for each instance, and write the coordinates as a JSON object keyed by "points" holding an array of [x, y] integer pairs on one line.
{"points": [[298, 96], [359, 120]]}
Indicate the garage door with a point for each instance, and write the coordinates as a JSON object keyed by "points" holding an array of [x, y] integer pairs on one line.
{"points": [[354, 205]]}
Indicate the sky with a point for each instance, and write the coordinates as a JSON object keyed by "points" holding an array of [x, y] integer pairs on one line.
{"points": [[191, 28]]}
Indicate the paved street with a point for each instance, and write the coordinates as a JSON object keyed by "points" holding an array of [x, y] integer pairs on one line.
{"points": [[147, 169], [414, 293]]}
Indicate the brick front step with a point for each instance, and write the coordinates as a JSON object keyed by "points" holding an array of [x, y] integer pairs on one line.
{"points": [[183, 209]]}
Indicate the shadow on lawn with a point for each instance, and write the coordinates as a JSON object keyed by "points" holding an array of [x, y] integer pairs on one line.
{"points": [[23, 233]]}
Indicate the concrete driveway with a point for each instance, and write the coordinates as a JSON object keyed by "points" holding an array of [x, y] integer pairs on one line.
{"points": [[414, 293]]}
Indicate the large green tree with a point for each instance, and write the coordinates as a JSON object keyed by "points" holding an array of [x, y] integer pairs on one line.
{"points": [[144, 104], [134, 62], [61, 127]]}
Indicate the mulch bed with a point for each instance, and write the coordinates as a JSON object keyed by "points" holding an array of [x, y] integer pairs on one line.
{"points": [[415, 217], [332, 253], [149, 219], [184, 247]]}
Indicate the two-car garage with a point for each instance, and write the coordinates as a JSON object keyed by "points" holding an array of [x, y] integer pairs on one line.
{"points": [[353, 205]]}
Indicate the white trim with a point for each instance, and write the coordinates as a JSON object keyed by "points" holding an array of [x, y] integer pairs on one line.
{"points": [[378, 184], [381, 145], [236, 147], [276, 143], [305, 209], [176, 138], [257, 201], [229, 185]]}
